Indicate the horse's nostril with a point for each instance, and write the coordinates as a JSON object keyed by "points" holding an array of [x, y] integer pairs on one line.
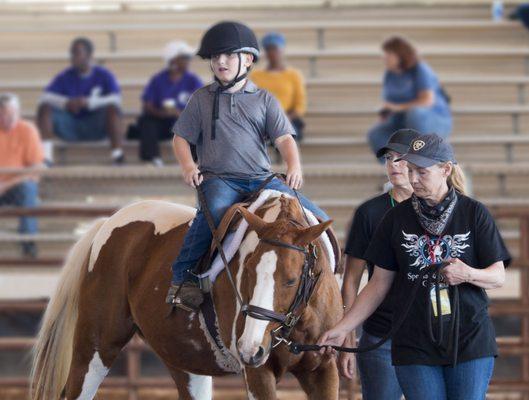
{"points": [[259, 353], [257, 357]]}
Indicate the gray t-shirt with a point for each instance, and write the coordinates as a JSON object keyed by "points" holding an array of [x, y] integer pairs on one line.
{"points": [[248, 119]]}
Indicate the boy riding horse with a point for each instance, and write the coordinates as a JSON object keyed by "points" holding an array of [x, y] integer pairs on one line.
{"points": [[229, 122]]}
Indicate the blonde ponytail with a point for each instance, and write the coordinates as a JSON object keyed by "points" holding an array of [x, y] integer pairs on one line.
{"points": [[457, 179]]}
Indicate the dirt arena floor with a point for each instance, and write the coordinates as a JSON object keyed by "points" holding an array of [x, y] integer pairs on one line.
{"points": [[157, 394], [223, 394]]}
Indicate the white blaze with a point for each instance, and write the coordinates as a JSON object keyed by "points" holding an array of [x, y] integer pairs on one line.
{"points": [[263, 296], [248, 246]]}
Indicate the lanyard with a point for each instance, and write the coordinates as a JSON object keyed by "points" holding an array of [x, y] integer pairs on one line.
{"points": [[392, 200]]}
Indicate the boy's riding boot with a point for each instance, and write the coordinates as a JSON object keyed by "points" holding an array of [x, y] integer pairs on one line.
{"points": [[187, 296]]}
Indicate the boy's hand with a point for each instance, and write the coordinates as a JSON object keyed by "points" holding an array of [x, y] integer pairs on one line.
{"points": [[192, 175], [294, 178]]}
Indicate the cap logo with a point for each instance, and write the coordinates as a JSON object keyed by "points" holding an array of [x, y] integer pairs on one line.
{"points": [[418, 144]]}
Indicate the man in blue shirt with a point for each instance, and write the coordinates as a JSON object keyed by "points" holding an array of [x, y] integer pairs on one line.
{"points": [[164, 97], [83, 102]]}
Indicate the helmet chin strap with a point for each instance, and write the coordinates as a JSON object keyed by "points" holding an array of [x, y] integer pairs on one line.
{"points": [[221, 88]]}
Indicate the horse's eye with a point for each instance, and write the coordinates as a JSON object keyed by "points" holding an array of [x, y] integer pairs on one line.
{"points": [[291, 282]]}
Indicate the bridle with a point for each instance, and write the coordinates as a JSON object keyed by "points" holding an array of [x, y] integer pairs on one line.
{"points": [[306, 287]]}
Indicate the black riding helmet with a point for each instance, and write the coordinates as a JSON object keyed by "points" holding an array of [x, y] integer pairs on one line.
{"points": [[227, 37]]}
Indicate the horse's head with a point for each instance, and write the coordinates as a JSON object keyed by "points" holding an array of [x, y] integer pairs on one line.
{"points": [[272, 274]]}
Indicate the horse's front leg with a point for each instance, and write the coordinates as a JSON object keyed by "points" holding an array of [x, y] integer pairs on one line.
{"points": [[321, 383], [260, 383]]}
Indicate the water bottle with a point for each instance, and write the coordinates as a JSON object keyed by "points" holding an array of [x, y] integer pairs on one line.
{"points": [[497, 10]]}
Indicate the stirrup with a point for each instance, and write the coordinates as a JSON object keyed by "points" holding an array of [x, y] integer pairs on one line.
{"points": [[178, 304], [175, 300], [172, 293]]}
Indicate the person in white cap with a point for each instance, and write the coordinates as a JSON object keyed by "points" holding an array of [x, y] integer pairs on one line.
{"points": [[164, 97]]}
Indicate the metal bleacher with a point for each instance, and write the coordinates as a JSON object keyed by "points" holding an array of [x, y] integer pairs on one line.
{"points": [[484, 65]]}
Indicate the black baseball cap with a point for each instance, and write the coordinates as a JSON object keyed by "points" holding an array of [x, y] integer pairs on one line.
{"points": [[428, 150], [399, 141]]}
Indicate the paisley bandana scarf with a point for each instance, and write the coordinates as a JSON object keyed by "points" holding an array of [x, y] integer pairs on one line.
{"points": [[434, 219]]}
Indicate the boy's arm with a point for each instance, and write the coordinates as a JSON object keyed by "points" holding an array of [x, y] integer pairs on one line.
{"points": [[190, 170], [289, 152]]}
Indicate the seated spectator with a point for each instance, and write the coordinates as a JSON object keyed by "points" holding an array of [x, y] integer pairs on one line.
{"points": [[521, 12], [83, 102], [164, 97], [284, 82], [20, 147], [413, 97]]}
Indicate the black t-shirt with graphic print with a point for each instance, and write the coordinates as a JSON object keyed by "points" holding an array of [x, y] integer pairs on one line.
{"points": [[363, 227], [400, 244]]}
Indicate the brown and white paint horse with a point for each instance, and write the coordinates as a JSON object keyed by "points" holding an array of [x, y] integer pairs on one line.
{"points": [[114, 283]]}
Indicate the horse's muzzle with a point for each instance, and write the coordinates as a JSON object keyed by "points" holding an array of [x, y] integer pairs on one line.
{"points": [[255, 360]]}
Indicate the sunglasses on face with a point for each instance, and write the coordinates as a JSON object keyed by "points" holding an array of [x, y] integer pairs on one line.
{"points": [[389, 158]]}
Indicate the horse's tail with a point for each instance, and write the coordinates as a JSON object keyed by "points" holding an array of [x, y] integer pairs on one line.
{"points": [[52, 353]]}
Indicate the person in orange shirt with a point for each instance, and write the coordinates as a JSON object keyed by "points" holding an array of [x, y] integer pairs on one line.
{"points": [[284, 82], [20, 147]]}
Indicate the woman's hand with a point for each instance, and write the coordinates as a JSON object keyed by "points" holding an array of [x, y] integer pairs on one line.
{"points": [[294, 177], [456, 272], [346, 361], [192, 175], [346, 365], [333, 337]]}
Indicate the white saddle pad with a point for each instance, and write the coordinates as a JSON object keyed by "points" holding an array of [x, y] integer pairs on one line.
{"points": [[233, 240]]}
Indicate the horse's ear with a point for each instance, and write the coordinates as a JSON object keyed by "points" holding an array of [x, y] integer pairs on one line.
{"points": [[256, 223], [307, 235]]}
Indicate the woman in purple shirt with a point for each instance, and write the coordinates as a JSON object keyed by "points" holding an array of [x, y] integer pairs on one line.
{"points": [[164, 97]]}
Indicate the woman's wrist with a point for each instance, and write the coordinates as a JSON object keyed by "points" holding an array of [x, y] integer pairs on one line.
{"points": [[343, 327], [469, 278]]}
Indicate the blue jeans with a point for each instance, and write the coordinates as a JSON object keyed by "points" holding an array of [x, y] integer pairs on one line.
{"points": [[219, 197], [422, 119], [468, 380], [90, 126], [377, 375], [24, 194]]}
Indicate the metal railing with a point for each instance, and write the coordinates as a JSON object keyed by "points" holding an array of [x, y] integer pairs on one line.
{"points": [[133, 381]]}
